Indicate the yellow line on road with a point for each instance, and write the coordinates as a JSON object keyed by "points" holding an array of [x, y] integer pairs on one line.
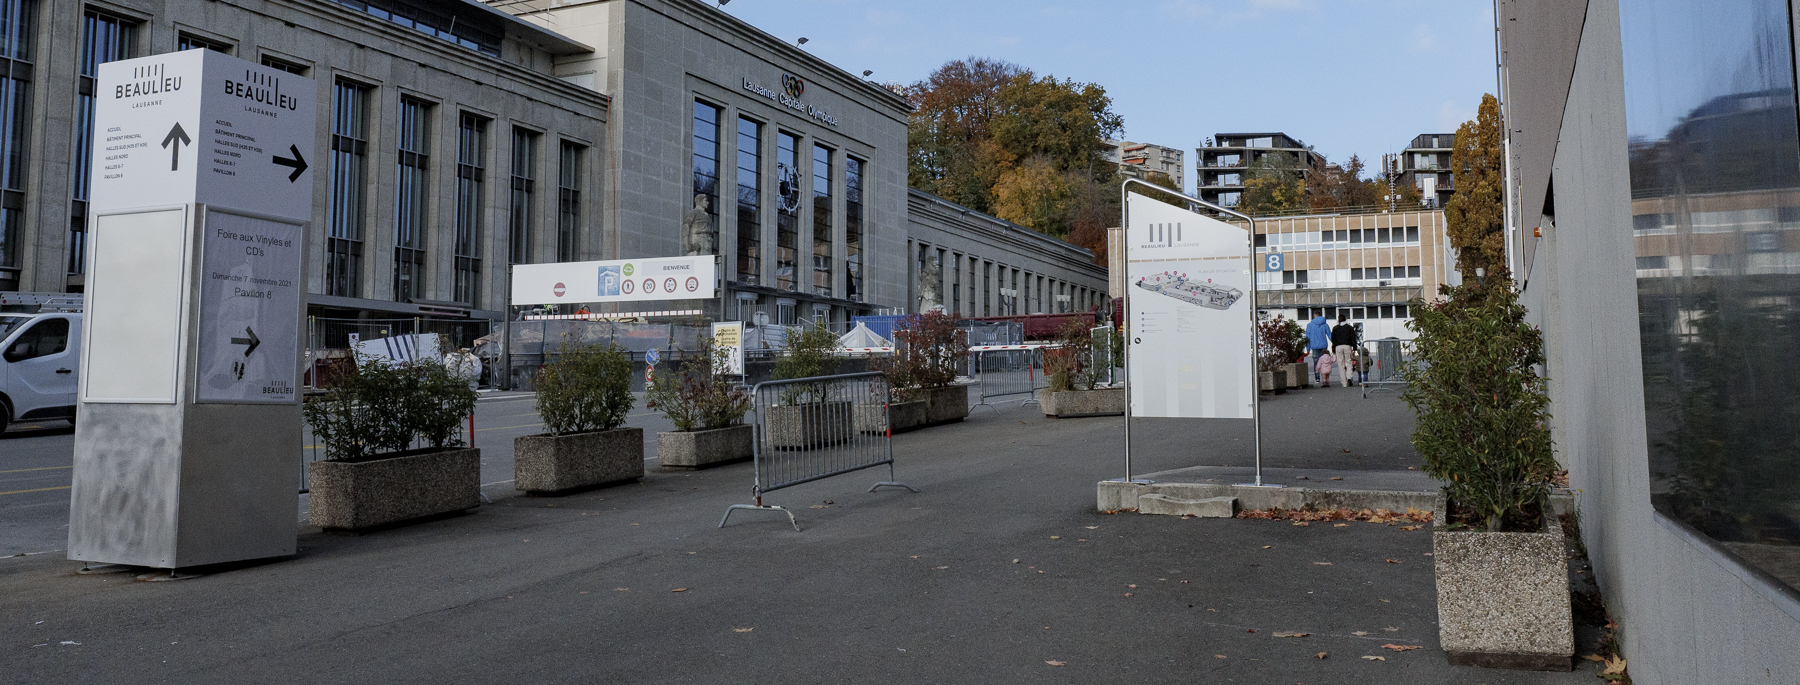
{"points": [[21, 492], [44, 468]]}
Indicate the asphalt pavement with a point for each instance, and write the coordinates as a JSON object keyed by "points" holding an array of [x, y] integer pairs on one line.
{"points": [[1000, 570]]}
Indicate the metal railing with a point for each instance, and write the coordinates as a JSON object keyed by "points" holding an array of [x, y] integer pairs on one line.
{"points": [[809, 429], [313, 449], [1008, 372], [1385, 369]]}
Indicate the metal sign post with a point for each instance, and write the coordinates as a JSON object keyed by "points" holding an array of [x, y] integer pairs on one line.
{"points": [[1204, 295]]}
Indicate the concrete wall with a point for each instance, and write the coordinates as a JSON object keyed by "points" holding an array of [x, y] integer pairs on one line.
{"points": [[980, 240], [1690, 615]]}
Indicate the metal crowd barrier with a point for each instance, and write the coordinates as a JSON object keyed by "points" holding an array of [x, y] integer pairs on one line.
{"points": [[1385, 369], [1006, 370], [808, 429]]}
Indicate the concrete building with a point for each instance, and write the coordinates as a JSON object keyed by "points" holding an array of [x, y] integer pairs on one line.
{"points": [[1655, 204], [1137, 158], [1220, 166], [501, 158], [1366, 266], [803, 164], [993, 267], [1425, 164]]}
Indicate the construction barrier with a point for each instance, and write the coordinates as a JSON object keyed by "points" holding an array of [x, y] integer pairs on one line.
{"points": [[1008, 370], [808, 429], [1384, 373]]}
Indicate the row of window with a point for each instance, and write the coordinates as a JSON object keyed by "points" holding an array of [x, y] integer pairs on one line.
{"points": [[17, 27], [1385, 311], [1018, 292], [1338, 240], [753, 195], [1339, 278]]}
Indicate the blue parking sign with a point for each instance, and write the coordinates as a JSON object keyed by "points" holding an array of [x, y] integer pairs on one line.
{"points": [[652, 356], [1274, 261]]}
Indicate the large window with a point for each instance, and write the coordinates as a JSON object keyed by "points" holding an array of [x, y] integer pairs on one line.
{"points": [[822, 224], [568, 204], [1715, 152], [418, 18], [706, 157], [471, 176], [524, 190], [853, 228], [412, 192], [104, 38], [17, 27], [349, 188], [188, 41], [787, 210], [749, 202]]}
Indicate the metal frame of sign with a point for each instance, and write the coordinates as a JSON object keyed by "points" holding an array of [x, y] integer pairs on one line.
{"points": [[1250, 253]]}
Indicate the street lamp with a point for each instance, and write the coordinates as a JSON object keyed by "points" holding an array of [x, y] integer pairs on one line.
{"points": [[1480, 276], [866, 72], [802, 40]]}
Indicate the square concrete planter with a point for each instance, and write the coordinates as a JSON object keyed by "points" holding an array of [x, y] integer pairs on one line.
{"points": [[947, 404], [904, 416], [1075, 403], [702, 448], [805, 426], [1271, 381], [555, 463], [1503, 598], [1298, 376], [389, 490]]}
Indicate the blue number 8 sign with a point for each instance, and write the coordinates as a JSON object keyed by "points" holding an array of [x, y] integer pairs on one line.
{"points": [[1273, 261]]}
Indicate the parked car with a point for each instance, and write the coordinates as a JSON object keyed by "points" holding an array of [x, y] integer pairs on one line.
{"points": [[40, 358]]}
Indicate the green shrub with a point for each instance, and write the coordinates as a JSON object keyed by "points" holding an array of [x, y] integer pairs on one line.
{"points": [[811, 352], [1070, 365], [585, 387], [932, 348], [700, 395], [374, 407], [1483, 413]]}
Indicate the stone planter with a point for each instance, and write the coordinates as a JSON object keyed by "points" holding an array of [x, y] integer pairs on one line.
{"points": [[702, 448], [904, 416], [947, 404], [405, 486], [805, 426], [1271, 382], [1298, 376], [1074, 403], [555, 463], [1503, 598]]}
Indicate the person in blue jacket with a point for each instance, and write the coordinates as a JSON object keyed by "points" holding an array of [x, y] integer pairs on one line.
{"points": [[1318, 340]]}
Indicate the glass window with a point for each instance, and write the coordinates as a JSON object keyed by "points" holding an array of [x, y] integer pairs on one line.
{"points": [[412, 192], [822, 224], [284, 65], [430, 23], [523, 195], [568, 204], [188, 41], [104, 38], [1412, 272], [471, 176], [749, 202], [1711, 124], [787, 210], [1412, 234], [17, 28], [48, 337], [706, 157], [349, 188], [853, 228]]}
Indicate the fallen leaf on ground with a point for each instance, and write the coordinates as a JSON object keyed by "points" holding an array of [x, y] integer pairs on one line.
{"points": [[622, 589], [1128, 594], [679, 589], [1093, 527], [915, 556], [742, 630], [1321, 563], [1268, 547], [1056, 537], [1340, 525], [1301, 523], [1393, 561], [1015, 561], [1289, 633], [1321, 655], [1346, 450], [1391, 629], [1054, 662], [1252, 630], [1411, 527], [1614, 666], [1220, 656], [1376, 658], [1337, 477], [1134, 587], [1400, 648], [815, 506], [1184, 582], [940, 568], [1360, 633], [584, 592], [1081, 539], [1427, 554]]}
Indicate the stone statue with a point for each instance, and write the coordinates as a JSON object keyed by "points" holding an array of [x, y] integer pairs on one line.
{"points": [[931, 283], [696, 229]]}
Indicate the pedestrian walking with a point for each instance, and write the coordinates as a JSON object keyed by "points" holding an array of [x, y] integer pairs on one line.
{"points": [[1325, 363], [1343, 347], [1318, 341]]}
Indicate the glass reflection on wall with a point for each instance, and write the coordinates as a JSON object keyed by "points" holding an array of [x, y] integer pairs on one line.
{"points": [[1715, 181]]}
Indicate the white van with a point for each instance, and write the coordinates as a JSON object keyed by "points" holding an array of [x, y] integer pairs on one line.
{"points": [[39, 361]]}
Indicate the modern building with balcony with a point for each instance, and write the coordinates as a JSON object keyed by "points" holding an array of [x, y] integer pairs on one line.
{"points": [[1425, 164], [1221, 164], [1137, 158]]}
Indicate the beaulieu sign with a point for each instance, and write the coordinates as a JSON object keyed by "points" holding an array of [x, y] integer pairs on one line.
{"points": [[795, 86]]}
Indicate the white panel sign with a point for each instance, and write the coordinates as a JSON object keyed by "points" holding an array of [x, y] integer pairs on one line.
{"points": [[621, 280], [133, 320], [202, 126], [250, 299], [1188, 278]]}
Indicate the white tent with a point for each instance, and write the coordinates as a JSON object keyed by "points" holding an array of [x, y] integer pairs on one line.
{"points": [[861, 336]]}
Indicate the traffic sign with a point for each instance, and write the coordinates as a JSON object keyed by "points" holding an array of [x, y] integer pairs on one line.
{"points": [[652, 357], [1274, 261]]}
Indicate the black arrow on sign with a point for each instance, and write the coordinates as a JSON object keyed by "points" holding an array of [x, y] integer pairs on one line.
{"points": [[252, 341], [298, 163], [179, 138]]}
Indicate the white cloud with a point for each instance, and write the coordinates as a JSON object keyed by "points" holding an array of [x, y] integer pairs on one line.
{"points": [[1424, 40], [1452, 115]]}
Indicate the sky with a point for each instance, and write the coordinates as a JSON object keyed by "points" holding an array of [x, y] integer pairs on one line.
{"points": [[1345, 76]]}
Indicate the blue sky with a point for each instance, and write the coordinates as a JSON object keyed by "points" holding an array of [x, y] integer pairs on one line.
{"points": [[1346, 76]]}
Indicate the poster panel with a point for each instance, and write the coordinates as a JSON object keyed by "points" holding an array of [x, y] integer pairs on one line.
{"points": [[250, 308], [1190, 338], [729, 335], [618, 280]]}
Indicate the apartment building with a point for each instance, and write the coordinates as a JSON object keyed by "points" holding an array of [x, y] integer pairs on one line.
{"points": [[1137, 158], [1425, 164], [1367, 266], [1221, 164]]}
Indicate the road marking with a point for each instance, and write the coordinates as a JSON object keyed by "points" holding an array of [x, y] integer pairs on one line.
{"points": [[43, 468], [21, 492]]}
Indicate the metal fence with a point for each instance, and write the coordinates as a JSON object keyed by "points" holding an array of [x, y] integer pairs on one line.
{"points": [[1386, 365], [1007, 373], [808, 429]]}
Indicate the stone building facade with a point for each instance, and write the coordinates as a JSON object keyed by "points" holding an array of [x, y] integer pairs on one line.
{"points": [[991, 267]]}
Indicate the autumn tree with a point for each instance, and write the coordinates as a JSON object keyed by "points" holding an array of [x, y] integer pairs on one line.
{"points": [[1331, 186], [1473, 217], [1273, 184], [952, 111]]}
